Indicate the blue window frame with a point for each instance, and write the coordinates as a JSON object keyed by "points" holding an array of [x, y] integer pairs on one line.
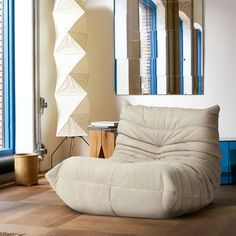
{"points": [[181, 50], [200, 84], [154, 50], [8, 80], [228, 162]]}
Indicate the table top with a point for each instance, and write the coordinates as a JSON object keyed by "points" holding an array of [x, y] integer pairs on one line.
{"points": [[227, 138], [102, 128]]}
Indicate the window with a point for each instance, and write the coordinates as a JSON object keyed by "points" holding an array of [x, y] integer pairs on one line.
{"points": [[7, 142], [181, 53], [148, 46], [199, 39]]}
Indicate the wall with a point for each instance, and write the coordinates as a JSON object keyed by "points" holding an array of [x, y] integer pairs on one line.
{"points": [[24, 76], [197, 6], [48, 84], [220, 69], [24, 80]]}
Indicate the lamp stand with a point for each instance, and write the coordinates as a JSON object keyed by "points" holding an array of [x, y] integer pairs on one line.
{"points": [[72, 142]]}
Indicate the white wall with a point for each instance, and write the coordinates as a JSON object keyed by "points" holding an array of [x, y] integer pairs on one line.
{"points": [[47, 85], [24, 80], [24, 75], [197, 14], [220, 69]]}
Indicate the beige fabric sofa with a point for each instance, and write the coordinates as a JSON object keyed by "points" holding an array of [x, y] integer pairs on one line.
{"points": [[165, 164]]}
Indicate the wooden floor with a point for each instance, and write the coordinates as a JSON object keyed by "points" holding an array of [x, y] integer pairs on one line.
{"points": [[38, 211]]}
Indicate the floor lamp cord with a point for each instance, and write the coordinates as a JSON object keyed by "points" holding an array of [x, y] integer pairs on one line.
{"points": [[85, 140], [72, 142]]}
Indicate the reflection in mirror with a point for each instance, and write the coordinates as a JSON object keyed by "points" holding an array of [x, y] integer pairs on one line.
{"points": [[158, 47]]}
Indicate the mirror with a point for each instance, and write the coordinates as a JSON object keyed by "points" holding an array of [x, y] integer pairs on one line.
{"points": [[158, 47]]}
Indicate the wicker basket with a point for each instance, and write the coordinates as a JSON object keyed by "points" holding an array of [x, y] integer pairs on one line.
{"points": [[26, 169]]}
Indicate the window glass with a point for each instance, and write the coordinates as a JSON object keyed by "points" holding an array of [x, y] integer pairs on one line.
{"points": [[7, 142]]}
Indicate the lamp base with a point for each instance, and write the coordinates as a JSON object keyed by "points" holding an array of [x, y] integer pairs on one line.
{"points": [[72, 141]]}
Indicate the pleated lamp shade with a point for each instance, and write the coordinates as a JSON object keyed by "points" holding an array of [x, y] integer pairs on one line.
{"points": [[72, 68]]}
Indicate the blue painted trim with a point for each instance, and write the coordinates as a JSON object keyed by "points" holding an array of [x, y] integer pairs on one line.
{"points": [[6, 152], [224, 147], [200, 84], [232, 162], [154, 50], [9, 77], [5, 75], [228, 162], [181, 48], [12, 72]]}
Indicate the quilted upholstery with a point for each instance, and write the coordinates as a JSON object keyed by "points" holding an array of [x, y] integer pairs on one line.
{"points": [[165, 164]]}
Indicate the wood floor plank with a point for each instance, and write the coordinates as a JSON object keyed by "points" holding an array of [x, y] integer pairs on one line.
{"points": [[18, 193], [68, 232], [26, 230], [9, 209], [121, 225], [213, 226], [49, 216], [37, 210], [46, 198]]}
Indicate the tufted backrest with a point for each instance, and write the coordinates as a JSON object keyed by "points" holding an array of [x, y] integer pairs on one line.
{"points": [[147, 133]]}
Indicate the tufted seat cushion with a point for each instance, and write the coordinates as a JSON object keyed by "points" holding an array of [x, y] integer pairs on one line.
{"points": [[165, 164]]}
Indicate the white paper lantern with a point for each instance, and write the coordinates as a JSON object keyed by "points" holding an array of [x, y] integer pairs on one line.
{"points": [[72, 68]]}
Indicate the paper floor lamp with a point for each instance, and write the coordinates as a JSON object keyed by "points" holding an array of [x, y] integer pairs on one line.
{"points": [[72, 68]]}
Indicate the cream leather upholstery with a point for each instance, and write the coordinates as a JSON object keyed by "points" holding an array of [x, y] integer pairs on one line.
{"points": [[166, 163]]}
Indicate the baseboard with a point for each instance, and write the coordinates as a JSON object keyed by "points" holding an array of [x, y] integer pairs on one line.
{"points": [[6, 165], [7, 179]]}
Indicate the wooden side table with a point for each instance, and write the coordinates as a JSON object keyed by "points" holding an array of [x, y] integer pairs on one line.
{"points": [[102, 142]]}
